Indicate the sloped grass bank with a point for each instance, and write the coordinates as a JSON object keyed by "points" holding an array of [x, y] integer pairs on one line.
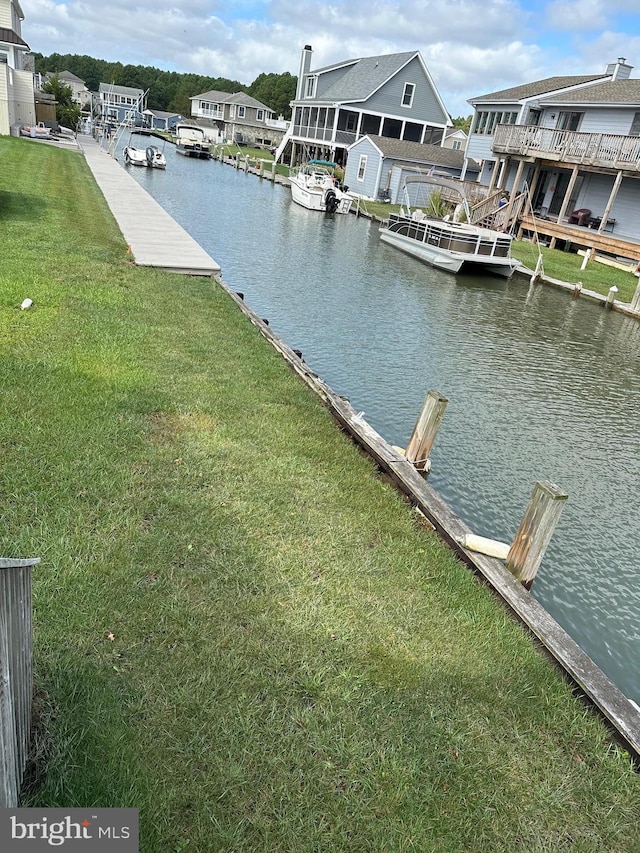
{"points": [[240, 629]]}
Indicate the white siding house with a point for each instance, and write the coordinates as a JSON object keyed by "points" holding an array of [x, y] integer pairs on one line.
{"points": [[17, 102], [574, 144]]}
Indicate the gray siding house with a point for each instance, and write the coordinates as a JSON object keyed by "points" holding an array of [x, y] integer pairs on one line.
{"points": [[573, 144], [161, 119], [377, 166], [389, 95], [116, 104], [238, 118]]}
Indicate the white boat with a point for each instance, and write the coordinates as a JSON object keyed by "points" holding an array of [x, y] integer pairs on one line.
{"points": [[155, 157], [36, 131], [446, 243], [134, 156], [315, 187], [192, 141]]}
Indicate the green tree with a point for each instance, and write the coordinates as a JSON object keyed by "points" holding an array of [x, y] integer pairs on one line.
{"points": [[463, 123], [275, 91], [67, 112]]}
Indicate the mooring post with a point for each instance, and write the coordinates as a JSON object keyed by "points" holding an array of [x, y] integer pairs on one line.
{"points": [[589, 255], [425, 430], [635, 302], [261, 168], [611, 296], [537, 271], [534, 534]]}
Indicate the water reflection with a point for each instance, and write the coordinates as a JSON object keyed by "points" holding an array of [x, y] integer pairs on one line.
{"points": [[541, 386]]}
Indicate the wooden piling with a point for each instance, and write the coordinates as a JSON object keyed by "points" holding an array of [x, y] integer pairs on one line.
{"points": [[535, 531], [635, 302], [425, 430], [611, 296]]}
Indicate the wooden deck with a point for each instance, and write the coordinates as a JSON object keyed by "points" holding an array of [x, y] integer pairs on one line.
{"points": [[589, 238], [154, 237]]}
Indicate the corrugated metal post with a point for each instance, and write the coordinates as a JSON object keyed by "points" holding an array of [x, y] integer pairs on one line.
{"points": [[425, 430], [15, 675], [534, 534]]}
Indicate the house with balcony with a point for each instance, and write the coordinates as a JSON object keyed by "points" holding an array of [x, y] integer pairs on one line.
{"points": [[387, 96], [80, 94], [238, 118], [567, 149], [17, 101], [119, 104]]}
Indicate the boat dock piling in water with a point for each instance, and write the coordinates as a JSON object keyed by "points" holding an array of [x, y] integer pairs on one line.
{"points": [[524, 555], [425, 431]]}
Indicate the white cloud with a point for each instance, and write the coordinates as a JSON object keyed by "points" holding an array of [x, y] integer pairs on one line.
{"points": [[471, 47]]}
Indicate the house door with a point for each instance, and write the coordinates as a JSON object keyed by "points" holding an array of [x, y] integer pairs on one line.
{"points": [[541, 190], [562, 182]]}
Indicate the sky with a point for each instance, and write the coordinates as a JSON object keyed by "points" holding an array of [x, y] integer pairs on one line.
{"points": [[471, 47]]}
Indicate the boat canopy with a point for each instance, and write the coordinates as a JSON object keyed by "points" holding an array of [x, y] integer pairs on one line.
{"points": [[454, 186], [326, 163]]}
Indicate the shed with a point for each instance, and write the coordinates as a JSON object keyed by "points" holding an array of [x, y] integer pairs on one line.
{"points": [[377, 165]]}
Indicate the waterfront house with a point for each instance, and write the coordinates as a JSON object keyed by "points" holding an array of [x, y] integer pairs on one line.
{"points": [[119, 104], [377, 166], [237, 117], [161, 120], [455, 138], [17, 102], [80, 94], [389, 96], [573, 145]]}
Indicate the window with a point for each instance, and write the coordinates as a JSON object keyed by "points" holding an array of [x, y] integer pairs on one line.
{"points": [[407, 94], [412, 132], [362, 167], [260, 115], [569, 120], [433, 135], [486, 121], [241, 111], [310, 90], [457, 145]]}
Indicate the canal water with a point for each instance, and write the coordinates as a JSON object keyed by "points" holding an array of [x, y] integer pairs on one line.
{"points": [[540, 386]]}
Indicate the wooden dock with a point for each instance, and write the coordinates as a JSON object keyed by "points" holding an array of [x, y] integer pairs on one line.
{"points": [[153, 236]]}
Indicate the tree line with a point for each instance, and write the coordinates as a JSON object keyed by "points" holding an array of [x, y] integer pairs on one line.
{"points": [[169, 90]]}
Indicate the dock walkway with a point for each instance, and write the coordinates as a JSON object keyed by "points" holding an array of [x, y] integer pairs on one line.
{"points": [[154, 237]]}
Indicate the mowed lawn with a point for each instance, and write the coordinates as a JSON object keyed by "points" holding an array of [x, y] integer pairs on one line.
{"points": [[240, 628]]}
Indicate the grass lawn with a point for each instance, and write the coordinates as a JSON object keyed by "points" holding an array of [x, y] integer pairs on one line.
{"points": [[240, 628]]}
